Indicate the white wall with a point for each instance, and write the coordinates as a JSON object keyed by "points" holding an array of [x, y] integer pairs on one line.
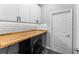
{"points": [[8, 27], [46, 18]]}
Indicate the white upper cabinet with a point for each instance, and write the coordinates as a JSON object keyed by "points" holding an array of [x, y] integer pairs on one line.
{"points": [[24, 13], [35, 13], [8, 12], [27, 12], [30, 13]]}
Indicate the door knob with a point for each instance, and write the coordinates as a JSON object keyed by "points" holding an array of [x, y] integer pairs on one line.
{"points": [[68, 35]]}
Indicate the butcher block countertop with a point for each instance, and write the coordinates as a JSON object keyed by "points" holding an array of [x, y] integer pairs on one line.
{"points": [[13, 38]]}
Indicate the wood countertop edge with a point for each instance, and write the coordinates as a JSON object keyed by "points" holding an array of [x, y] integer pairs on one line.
{"points": [[22, 31], [12, 43]]}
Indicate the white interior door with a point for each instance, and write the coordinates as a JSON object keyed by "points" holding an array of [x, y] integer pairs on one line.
{"points": [[62, 31]]}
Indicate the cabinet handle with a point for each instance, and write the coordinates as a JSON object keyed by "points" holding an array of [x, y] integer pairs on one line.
{"points": [[18, 19]]}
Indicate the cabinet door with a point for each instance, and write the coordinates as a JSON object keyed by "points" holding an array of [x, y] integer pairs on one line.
{"points": [[13, 49], [8, 12], [35, 13], [4, 50], [29, 13], [24, 13]]}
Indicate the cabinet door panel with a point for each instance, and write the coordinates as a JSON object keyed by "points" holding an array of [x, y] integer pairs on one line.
{"points": [[24, 13], [35, 13], [8, 12], [4, 50], [13, 49], [30, 13]]}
